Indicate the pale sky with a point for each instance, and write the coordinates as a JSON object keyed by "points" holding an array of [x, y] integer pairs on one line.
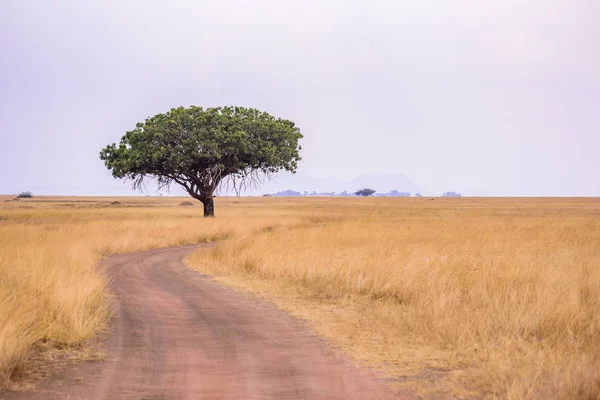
{"points": [[497, 95]]}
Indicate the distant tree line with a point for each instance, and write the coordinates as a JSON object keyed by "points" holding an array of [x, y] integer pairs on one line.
{"points": [[451, 194], [362, 192]]}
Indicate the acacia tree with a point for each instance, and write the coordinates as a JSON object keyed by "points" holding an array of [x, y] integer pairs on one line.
{"points": [[365, 192], [201, 149]]}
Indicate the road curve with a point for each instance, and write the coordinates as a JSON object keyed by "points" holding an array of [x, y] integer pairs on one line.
{"points": [[178, 335]]}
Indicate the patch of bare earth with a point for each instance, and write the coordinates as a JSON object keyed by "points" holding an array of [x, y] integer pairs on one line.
{"points": [[177, 335]]}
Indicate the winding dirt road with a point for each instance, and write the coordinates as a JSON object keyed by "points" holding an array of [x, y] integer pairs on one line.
{"points": [[178, 335]]}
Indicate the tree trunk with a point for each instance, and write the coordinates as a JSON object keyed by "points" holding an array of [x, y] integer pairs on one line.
{"points": [[209, 207]]}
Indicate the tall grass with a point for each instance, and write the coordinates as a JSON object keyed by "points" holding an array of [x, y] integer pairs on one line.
{"points": [[497, 296], [50, 287], [494, 296]]}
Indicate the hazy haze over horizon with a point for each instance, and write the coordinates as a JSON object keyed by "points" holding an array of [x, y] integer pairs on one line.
{"points": [[499, 96]]}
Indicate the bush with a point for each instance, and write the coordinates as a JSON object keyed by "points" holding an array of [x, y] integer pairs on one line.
{"points": [[186, 203], [365, 192], [25, 195]]}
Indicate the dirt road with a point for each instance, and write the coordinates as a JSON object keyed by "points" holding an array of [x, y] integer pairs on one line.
{"points": [[178, 335]]}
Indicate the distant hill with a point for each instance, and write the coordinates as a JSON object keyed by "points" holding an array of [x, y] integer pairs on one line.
{"points": [[389, 184]]}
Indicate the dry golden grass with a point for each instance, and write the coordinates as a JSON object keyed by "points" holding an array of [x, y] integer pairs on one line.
{"points": [[500, 296], [50, 287]]}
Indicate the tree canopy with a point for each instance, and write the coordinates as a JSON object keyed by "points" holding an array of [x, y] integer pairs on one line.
{"points": [[364, 192], [201, 149]]}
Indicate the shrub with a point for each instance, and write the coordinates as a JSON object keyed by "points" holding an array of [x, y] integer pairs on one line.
{"points": [[365, 192]]}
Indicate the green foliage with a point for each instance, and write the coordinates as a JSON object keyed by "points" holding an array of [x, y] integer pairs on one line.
{"points": [[25, 195], [198, 148]]}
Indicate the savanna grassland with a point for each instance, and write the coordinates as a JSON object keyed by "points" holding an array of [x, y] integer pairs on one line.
{"points": [[498, 297]]}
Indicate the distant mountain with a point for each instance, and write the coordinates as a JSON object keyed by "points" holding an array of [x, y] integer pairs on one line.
{"points": [[383, 183], [302, 183], [293, 193]]}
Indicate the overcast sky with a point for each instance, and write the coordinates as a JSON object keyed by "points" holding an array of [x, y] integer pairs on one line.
{"points": [[498, 95]]}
